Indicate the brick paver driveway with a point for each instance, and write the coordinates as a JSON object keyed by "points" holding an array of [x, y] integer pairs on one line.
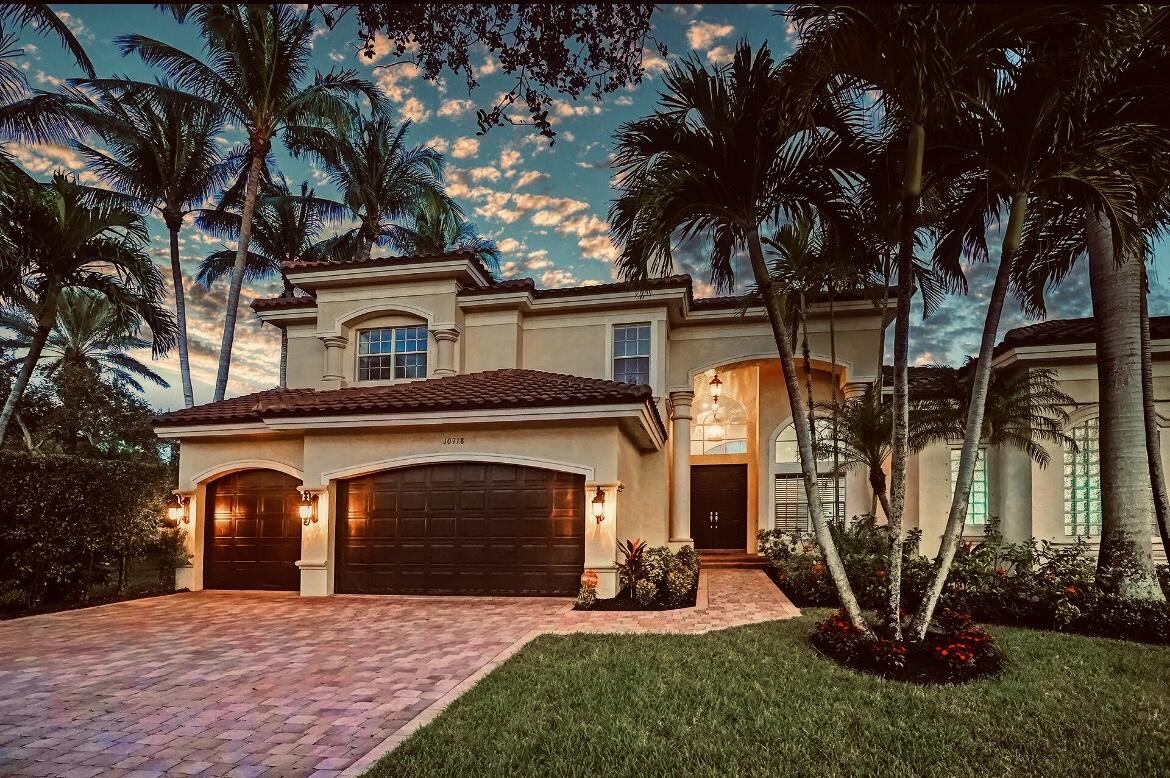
{"points": [[230, 683]]}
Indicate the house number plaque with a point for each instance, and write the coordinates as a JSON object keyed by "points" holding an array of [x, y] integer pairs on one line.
{"points": [[456, 440]]}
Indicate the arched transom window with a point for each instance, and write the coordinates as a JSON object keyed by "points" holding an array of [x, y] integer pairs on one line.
{"points": [[718, 427], [1082, 482]]}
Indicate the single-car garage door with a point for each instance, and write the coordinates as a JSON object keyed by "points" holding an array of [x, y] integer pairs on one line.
{"points": [[461, 528], [253, 535]]}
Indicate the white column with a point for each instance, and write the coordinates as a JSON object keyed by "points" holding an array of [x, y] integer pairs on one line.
{"points": [[446, 340], [314, 559], [189, 576], [680, 480], [333, 376], [854, 389]]}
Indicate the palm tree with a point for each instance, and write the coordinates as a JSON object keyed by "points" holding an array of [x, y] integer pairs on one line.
{"points": [[256, 59], [920, 62], [63, 235], [719, 160], [441, 231], [160, 150], [90, 333], [1014, 155], [285, 228], [383, 183]]}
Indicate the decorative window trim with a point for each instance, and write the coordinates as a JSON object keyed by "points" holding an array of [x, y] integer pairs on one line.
{"points": [[394, 353]]}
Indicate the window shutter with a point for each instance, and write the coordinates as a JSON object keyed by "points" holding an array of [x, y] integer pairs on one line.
{"points": [[792, 503]]}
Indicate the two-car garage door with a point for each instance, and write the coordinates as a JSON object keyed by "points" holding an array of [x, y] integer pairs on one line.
{"points": [[461, 528]]}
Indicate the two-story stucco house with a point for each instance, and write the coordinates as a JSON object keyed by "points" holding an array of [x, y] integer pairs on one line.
{"points": [[445, 433]]}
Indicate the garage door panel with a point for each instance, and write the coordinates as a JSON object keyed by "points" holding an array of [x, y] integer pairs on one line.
{"points": [[473, 528], [253, 534]]}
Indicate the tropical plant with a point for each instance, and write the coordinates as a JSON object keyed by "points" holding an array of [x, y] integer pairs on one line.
{"points": [[160, 149], [256, 59], [916, 64], [439, 231], [63, 235], [382, 182], [719, 160], [90, 333], [285, 228]]}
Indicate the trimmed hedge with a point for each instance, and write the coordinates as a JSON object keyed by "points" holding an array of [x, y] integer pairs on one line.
{"points": [[68, 524]]}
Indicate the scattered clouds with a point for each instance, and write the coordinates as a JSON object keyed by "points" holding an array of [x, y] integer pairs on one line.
{"points": [[46, 159], [557, 277], [75, 25], [700, 34], [465, 147], [414, 110], [720, 55], [565, 109], [529, 177], [439, 144], [508, 159], [508, 245], [455, 108], [484, 174]]}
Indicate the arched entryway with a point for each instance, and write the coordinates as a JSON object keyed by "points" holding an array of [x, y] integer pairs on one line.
{"points": [[253, 533], [461, 528]]}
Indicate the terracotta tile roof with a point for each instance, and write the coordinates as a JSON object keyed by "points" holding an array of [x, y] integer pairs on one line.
{"points": [[925, 381], [528, 285], [492, 390], [324, 264], [282, 303], [1066, 332]]}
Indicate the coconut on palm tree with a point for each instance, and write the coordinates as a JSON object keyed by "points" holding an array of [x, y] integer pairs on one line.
{"points": [[254, 67], [384, 183], [160, 149], [285, 228], [719, 160], [62, 235]]}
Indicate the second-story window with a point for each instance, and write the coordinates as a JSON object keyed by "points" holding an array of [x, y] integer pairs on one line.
{"points": [[631, 353], [392, 352]]}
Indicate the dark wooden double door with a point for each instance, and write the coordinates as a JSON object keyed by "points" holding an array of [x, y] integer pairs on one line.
{"points": [[719, 507], [461, 528], [252, 532]]}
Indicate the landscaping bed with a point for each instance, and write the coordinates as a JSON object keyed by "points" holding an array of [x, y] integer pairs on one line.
{"points": [[651, 579], [758, 700]]}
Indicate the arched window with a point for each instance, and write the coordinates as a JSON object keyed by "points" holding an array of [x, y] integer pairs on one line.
{"points": [[718, 427], [1082, 482], [790, 500]]}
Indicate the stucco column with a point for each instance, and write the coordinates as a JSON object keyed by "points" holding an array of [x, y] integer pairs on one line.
{"points": [[314, 559], [186, 575], [601, 538], [334, 359], [680, 481], [446, 340]]}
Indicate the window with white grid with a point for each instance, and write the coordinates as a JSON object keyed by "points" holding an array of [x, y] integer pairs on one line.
{"points": [[392, 352], [1082, 482], [631, 353], [977, 502]]}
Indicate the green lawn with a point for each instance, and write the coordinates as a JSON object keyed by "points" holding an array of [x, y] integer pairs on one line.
{"points": [[757, 701]]}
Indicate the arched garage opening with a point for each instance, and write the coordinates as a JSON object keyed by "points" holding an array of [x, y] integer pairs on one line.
{"points": [[476, 528], [253, 532]]}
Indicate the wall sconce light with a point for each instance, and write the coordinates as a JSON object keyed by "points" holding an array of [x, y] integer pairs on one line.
{"points": [[716, 387], [599, 506], [177, 511], [308, 508]]}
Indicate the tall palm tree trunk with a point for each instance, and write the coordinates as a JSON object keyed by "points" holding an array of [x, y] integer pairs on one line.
{"points": [[900, 445], [45, 324], [973, 434], [1127, 500], [284, 357], [1153, 436], [233, 299], [804, 440], [180, 313], [835, 399]]}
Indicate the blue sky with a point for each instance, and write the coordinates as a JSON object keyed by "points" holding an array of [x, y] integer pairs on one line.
{"points": [[545, 206]]}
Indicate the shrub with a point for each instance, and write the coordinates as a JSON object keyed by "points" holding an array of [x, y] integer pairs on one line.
{"points": [[586, 598], [69, 523], [646, 592], [630, 569], [658, 577], [679, 587]]}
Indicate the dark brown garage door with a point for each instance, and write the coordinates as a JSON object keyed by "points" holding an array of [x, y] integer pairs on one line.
{"points": [[253, 532], [461, 528]]}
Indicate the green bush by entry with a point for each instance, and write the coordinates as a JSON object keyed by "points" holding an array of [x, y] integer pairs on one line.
{"points": [[68, 524], [1033, 583]]}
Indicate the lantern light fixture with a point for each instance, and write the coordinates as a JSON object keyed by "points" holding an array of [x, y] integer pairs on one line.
{"points": [[715, 427], [716, 387], [308, 508], [599, 506], [177, 512]]}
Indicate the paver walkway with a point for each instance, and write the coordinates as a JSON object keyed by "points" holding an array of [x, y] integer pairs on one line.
{"points": [[249, 684]]}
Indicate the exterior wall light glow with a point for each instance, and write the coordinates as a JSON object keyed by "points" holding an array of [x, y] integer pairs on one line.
{"points": [[599, 506], [177, 511], [308, 508], [716, 387]]}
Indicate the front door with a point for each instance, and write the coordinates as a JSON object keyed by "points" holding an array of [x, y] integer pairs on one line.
{"points": [[719, 506]]}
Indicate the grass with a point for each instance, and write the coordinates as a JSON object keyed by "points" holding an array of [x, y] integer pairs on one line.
{"points": [[757, 701]]}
